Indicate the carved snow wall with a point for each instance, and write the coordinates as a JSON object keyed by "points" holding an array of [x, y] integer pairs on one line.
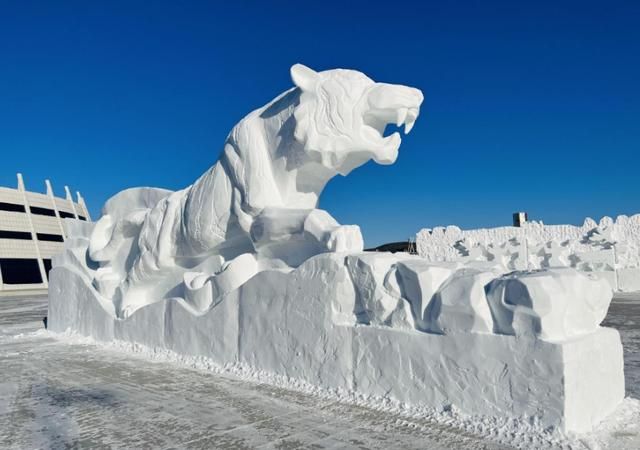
{"points": [[609, 249]]}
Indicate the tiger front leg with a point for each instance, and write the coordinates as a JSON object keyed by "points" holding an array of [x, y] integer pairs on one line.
{"points": [[333, 236], [304, 232]]}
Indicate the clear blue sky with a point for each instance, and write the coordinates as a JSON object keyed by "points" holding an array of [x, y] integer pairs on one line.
{"points": [[530, 106]]}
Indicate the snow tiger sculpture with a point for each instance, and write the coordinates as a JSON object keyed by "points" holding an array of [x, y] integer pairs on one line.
{"points": [[256, 208]]}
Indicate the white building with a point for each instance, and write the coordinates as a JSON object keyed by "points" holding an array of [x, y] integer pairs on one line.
{"points": [[32, 230]]}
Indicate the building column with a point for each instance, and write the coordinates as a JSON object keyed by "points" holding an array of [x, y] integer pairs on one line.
{"points": [[70, 200], [84, 206], [34, 236], [55, 207]]}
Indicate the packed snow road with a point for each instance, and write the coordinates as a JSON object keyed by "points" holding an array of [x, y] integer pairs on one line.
{"points": [[56, 392]]}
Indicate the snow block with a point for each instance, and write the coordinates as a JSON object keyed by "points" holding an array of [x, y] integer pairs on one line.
{"points": [[369, 272], [420, 280], [303, 325], [553, 304], [461, 305]]}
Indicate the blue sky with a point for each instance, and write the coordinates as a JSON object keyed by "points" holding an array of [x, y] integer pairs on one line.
{"points": [[530, 106]]}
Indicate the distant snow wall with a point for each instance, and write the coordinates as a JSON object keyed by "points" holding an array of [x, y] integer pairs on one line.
{"points": [[609, 249]]}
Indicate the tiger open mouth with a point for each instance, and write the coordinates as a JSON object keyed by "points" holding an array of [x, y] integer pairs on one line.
{"points": [[388, 109], [380, 119]]}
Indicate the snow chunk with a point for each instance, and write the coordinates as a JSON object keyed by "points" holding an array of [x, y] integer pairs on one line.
{"points": [[553, 304], [420, 280], [461, 305]]}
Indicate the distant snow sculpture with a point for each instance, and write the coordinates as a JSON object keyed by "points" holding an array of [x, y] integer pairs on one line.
{"points": [[256, 208], [608, 249], [243, 269]]}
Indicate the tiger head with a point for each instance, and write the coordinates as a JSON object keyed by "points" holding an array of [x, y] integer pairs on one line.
{"points": [[342, 117]]}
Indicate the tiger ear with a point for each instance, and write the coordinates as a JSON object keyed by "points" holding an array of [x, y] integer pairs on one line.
{"points": [[303, 77]]}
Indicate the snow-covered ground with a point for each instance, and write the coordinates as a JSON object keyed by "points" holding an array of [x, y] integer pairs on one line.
{"points": [[58, 391]]}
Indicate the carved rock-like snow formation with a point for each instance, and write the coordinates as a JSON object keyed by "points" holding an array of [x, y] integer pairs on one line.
{"points": [[421, 281], [243, 269], [554, 304], [460, 305]]}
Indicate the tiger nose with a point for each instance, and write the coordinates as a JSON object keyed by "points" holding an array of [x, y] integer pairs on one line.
{"points": [[393, 96]]}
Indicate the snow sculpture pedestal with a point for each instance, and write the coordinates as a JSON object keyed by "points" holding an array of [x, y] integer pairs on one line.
{"points": [[302, 325]]}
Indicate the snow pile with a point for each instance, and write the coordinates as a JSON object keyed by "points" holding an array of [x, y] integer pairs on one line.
{"points": [[609, 249]]}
